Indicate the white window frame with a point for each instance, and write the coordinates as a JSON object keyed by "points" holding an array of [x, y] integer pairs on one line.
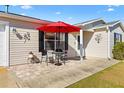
{"points": [[55, 46]]}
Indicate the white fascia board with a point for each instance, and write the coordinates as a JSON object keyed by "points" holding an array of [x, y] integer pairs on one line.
{"points": [[114, 24], [89, 22]]}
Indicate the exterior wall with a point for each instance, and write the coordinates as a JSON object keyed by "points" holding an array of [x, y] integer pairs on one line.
{"points": [[92, 48], [19, 50], [116, 29], [72, 49]]}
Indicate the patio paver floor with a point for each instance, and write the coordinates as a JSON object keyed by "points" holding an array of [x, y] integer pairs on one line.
{"points": [[41, 75]]}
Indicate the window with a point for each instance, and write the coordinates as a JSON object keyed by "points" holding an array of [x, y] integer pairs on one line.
{"points": [[54, 41], [117, 38], [49, 41], [78, 38]]}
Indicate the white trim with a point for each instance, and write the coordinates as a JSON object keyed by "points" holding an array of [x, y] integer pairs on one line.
{"points": [[108, 43], [95, 20], [7, 45], [114, 24], [7, 42], [105, 26]]}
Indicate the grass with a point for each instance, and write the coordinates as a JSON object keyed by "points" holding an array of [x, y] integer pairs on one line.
{"points": [[112, 77]]}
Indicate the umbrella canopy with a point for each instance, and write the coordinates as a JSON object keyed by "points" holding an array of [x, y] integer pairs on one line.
{"points": [[58, 27]]}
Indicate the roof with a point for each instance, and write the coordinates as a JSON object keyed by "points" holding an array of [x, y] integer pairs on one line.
{"points": [[107, 24], [23, 18], [89, 21]]}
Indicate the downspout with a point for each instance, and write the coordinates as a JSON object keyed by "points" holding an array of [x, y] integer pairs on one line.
{"points": [[108, 43]]}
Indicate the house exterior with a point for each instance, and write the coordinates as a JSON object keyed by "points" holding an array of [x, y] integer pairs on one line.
{"points": [[18, 36], [98, 38]]}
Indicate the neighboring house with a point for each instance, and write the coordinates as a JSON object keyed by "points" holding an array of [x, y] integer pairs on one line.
{"points": [[18, 36], [99, 37]]}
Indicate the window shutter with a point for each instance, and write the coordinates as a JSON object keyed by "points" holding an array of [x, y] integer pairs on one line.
{"points": [[66, 41], [41, 41], [114, 38], [120, 37]]}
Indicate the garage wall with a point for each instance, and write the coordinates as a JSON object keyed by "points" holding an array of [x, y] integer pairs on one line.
{"points": [[19, 49]]}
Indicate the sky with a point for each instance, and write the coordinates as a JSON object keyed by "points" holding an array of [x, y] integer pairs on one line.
{"points": [[69, 13]]}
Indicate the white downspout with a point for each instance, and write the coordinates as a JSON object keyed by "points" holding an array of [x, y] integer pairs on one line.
{"points": [[81, 45], [108, 33]]}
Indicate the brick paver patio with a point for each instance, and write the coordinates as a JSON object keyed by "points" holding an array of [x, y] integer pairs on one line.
{"points": [[41, 75]]}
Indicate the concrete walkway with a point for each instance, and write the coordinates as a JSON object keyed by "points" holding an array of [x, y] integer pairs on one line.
{"points": [[41, 75], [7, 79]]}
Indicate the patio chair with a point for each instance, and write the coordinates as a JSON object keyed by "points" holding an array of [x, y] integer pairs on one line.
{"points": [[64, 57], [44, 56], [50, 56]]}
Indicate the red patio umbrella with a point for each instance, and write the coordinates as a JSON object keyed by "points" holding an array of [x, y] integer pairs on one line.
{"points": [[59, 27]]}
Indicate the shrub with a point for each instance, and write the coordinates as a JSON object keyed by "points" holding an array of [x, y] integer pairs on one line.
{"points": [[118, 51]]}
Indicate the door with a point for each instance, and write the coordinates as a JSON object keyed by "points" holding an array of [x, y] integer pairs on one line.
{"points": [[2, 45]]}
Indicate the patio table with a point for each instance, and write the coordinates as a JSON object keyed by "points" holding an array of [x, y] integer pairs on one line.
{"points": [[58, 54]]}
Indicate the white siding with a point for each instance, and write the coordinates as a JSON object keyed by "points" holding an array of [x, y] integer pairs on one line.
{"points": [[116, 30], [19, 50], [72, 51], [91, 47], [2, 45], [94, 49]]}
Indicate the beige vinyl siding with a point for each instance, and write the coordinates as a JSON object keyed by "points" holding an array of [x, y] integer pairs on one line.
{"points": [[72, 51], [19, 50], [116, 30], [93, 48]]}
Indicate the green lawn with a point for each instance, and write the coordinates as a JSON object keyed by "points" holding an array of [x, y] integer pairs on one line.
{"points": [[112, 77]]}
